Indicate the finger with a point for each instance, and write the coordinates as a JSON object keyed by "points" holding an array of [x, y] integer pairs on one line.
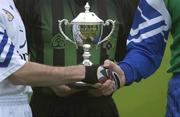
{"points": [[63, 90], [97, 85], [110, 64], [109, 92], [107, 63], [108, 87], [61, 87], [95, 92], [106, 84]]}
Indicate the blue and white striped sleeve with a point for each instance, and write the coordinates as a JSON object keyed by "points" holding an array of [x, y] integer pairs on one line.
{"points": [[10, 60], [146, 41]]}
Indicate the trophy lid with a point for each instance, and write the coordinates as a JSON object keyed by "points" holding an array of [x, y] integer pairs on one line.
{"points": [[87, 17]]}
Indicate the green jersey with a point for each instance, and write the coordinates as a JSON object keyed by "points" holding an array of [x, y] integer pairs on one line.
{"points": [[174, 10]]}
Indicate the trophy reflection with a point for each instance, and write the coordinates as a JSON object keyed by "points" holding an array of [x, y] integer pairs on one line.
{"points": [[86, 36], [87, 30]]}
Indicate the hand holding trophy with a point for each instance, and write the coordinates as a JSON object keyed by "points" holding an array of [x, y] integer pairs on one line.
{"points": [[87, 30]]}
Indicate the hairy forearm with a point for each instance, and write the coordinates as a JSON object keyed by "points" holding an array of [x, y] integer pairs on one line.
{"points": [[35, 74]]}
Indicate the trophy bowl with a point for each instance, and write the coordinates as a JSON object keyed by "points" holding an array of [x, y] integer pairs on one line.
{"points": [[87, 34], [87, 31]]}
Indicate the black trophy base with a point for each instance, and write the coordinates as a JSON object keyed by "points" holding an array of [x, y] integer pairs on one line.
{"points": [[81, 86]]}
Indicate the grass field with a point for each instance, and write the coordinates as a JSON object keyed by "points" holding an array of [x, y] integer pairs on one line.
{"points": [[147, 98]]}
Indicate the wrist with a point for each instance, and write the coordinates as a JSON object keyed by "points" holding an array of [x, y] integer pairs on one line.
{"points": [[91, 74]]}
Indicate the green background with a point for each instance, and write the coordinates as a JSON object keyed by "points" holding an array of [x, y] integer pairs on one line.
{"points": [[148, 97]]}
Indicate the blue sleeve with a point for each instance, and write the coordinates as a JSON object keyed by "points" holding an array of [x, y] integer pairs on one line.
{"points": [[146, 41]]}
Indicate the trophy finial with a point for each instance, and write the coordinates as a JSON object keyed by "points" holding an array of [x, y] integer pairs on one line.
{"points": [[87, 7]]}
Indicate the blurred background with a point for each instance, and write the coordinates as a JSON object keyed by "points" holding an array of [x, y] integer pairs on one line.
{"points": [[148, 97]]}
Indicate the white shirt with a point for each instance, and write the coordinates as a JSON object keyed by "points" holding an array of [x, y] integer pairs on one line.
{"points": [[13, 48]]}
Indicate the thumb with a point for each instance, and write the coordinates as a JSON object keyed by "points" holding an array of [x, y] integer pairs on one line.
{"points": [[115, 68], [107, 64]]}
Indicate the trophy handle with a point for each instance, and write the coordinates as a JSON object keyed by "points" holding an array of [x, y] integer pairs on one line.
{"points": [[112, 30], [66, 22]]}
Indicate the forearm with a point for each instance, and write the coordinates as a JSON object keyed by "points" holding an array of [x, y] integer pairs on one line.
{"points": [[146, 41], [137, 66], [35, 74]]}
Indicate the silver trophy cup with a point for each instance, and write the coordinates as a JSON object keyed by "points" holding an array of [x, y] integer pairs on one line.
{"points": [[87, 30]]}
